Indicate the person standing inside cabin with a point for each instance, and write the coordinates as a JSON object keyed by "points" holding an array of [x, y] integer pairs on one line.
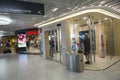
{"points": [[87, 48]]}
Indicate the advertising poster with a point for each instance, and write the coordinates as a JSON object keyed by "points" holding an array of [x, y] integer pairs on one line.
{"points": [[21, 40]]}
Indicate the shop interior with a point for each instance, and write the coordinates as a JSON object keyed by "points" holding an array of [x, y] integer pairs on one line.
{"points": [[33, 43], [9, 42], [29, 41], [53, 44], [103, 32]]}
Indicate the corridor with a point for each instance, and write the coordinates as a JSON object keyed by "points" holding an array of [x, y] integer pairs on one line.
{"points": [[34, 67]]}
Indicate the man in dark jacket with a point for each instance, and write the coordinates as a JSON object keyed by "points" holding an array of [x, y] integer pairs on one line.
{"points": [[87, 48]]}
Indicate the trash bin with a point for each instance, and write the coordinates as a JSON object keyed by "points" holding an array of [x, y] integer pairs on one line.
{"points": [[74, 62], [68, 60]]}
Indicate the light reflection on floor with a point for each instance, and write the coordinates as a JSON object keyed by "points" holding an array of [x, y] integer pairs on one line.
{"points": [[23, 59], [99, 64], [102, 63], [33, 50]]}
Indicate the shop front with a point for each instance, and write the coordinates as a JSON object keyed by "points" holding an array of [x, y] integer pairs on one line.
{"points": [[8, 42], [102, 31], [32, 37], [29, 41], [55, 42]]}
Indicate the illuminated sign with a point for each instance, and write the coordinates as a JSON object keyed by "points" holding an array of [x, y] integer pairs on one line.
{"points": [[21, 7], [21, 40], [34, 32]]}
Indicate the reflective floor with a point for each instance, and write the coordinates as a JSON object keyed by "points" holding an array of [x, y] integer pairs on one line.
{"points": [[34, 67], [33, 50], [98, 64], [102, 63], [57, 57]]}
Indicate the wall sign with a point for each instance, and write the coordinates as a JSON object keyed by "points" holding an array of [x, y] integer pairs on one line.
{"points": [[33, 32], [21, 7]]}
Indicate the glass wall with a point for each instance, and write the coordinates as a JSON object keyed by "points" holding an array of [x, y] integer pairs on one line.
{"points": [[102, 31], [54, 44]]}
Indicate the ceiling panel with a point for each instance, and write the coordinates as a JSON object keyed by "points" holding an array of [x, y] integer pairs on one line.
{"points": [[23, 21]]}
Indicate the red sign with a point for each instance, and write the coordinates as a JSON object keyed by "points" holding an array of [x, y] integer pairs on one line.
{"points": [[35, 32]]}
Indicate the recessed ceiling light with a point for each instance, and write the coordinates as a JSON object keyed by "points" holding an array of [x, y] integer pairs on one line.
{"points": [[84, 7], [109, 6], [55, 9], [69, 8], [2, 22], [1, 35], [5, 20], [106, 18], [2, 31], [112, 7], [102, 2], [76, 7], [84, 18], [52, 18], [106, 5]]}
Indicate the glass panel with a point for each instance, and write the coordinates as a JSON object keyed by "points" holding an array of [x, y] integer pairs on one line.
{"points": [[101, 33], [55, 45]]}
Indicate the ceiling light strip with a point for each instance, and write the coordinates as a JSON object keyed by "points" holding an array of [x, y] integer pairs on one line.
{"points": [[80, 13]]}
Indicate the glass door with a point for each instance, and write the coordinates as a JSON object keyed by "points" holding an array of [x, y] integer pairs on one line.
{"points": [[55, 44]]}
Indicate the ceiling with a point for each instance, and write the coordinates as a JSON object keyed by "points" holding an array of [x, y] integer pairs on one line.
{"points": [[25, 21], [82, 19]]}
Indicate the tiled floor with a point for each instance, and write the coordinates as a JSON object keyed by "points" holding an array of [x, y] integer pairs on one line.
{"points": [[34, 67]]}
